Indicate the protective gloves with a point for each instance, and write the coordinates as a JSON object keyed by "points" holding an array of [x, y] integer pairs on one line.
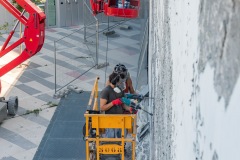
{"points": [[117, 102], [133, 111]]}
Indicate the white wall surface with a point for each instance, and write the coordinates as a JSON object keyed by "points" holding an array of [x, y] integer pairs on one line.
{"points": [[194, 56]]}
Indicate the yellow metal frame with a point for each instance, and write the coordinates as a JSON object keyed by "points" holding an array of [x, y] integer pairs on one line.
{"points": [[94, 94], [100, 122], [104, 121]]}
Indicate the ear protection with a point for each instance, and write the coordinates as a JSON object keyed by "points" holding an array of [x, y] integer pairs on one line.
{"points": [[115, 80]]}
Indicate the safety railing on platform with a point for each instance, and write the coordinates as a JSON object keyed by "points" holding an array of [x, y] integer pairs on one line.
{"points": [[97, 144], [106, 121], [94, 95]]}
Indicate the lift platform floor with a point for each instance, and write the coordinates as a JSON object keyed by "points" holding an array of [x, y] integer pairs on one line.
{"points": [[63, 139]]}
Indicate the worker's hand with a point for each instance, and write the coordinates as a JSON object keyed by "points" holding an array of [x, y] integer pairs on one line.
{"points": [[133, 111], [117, 102]]}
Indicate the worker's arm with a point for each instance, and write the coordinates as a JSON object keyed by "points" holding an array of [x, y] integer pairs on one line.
{"points": [[130, 86], [104, 106], [103, 100]]}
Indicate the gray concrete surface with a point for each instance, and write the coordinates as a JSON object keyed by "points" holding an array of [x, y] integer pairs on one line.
{"points": [[160, 84]]}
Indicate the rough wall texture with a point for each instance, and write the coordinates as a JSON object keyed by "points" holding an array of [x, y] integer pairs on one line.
{"points": [[219, 25], [161, 85], [194, 57]]}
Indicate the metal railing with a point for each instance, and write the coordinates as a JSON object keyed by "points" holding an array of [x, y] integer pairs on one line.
{"points": [[72, 59], [76, 53], [143, 54], [94, 25], [91, 31]]}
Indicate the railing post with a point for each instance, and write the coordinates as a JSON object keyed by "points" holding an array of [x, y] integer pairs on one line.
{"points": [[97, 138], [94, 94], [87, 135], [84, 5], [97, 41], [134, 136], [55, 66], [142, 52], [96, 97]]}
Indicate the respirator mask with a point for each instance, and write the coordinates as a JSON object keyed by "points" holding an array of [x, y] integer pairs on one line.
{"points": [[121, 86]]}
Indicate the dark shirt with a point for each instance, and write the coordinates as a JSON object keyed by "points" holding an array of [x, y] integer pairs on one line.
{"points": [[109, 94]]}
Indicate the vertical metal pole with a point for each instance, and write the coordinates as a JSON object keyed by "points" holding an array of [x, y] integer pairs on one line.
{"points": [[86, 136], [20, 35], [55, 66], [21, 30], [84, 15], [122, 136], [142, 52], [97, 138], [96, 95], [108, 23], [97, 41]]}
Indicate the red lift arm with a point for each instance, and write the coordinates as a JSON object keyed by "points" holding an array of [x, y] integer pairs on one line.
{"points": [[34, 33]]}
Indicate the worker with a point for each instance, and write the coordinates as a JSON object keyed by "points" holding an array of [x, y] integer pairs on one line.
{"points": [[110, 101], [125, 76], [119, 4]]}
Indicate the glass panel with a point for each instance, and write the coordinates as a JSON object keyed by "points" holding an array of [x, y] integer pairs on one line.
{"points": [[51, 13]]}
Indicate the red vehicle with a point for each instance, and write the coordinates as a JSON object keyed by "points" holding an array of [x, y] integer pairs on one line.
{"points": [[33, 38]]}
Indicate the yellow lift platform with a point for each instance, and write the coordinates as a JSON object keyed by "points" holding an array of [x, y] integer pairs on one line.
{"points": [[98, 145]]}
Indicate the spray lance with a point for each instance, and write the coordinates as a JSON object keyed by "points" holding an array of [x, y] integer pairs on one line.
{"points": [[127, 100]]}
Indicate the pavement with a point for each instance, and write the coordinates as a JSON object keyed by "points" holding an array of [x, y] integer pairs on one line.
{"points": [[63, 139], [34, 82]]}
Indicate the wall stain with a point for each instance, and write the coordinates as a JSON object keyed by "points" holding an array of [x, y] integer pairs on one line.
{"points": [[219, 44]]}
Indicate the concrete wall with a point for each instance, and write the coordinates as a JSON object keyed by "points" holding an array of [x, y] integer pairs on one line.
{"points": [[194, 52]]}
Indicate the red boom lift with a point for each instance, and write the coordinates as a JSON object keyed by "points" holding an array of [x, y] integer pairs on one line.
{"points": [[33, 39], [117, 8]]}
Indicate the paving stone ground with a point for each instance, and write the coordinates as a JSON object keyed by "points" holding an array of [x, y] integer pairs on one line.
{"points": [[34, 83]]}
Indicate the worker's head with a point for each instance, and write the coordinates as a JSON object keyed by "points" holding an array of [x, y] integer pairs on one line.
{"points": [[121, 70], [115, 79]]}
